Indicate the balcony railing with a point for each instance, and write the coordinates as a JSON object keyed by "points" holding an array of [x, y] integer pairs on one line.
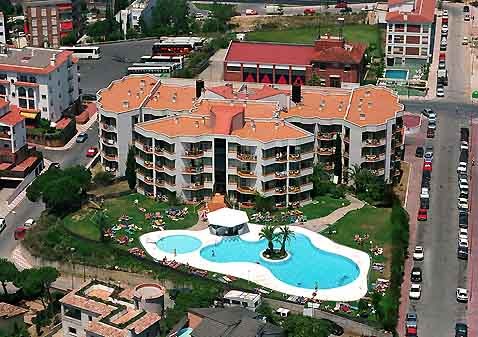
{"points": [[374, 142], [246, 157], [195, 186], [280, 174], [373, 157], [193, 169], [378, 172], [246, 189], [326, 135], [193, 153], [109, 156], [280, 157], [108, 127], [280, 190], [294, 156], [294, 173], [294, 189], [326, 151], [245, 173]]}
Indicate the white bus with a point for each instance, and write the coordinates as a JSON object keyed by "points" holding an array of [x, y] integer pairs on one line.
{"points": [[150, 70], [89, 52]]}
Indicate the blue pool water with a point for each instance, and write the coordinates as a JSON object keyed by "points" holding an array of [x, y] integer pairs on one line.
{"points": [[186, 332], [179, 244], [398, 74], [307, 266]]}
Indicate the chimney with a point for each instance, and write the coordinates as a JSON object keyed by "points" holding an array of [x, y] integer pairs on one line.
{"points": [[199, 88], [253, 126], [196, 124], [53, 60], [137, 95], [296, 93], [369, 104], [367, 93], [203, 120], [276, 126], [176, 120], [126, 104], [142, 83], [129, 92]]}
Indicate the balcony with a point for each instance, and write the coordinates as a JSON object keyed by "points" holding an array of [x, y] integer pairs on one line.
{"points": [[294, 189], [347, 139], [5, 135], [326, 151], [373, 157], [246, 174], [373, 142], [196, 186], [108, 127], [193, 169], [294, 157], [280, 174], [161, 150], [108, 142], [294, 173], [146, 148], [378, 172], [246, 157], [246, 189], [109, 156], [326, 135], [281, 157], [193, 154], [279, 190]]}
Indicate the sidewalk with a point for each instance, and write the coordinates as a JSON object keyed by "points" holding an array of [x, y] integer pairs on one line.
{"points": [[79, 128], [412, 205]]}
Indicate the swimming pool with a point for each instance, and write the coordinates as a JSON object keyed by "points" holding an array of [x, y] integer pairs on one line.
{"points": [[179, 244], [308, 266], [186, 332], [396, 74]]}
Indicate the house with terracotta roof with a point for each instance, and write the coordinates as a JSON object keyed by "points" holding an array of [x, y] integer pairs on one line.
{"points": [[243, 139], [11, 319], [18, 161], [101, 309], [43, 83], [336, 62], [410, 26]]}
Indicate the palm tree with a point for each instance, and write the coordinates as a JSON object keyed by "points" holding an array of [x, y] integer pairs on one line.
{"points": [[361, 178], [285, 235], [267, 233]]}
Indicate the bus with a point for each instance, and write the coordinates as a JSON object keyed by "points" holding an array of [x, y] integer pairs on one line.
{"points": [[177, 46], [146, 69], [87, 52]]}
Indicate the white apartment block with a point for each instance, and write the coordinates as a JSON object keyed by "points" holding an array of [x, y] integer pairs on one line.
{"points": [[409, 30], [129, 17], [3, 29], [197, 141], [41, 82]]}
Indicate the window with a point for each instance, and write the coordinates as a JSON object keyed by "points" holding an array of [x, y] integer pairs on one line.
{"points": [[26, 98], [43, 96], [34, 12], [44, 109], [35, 41], [34, 31], [233, 68], [3, 92], [72, 331], [43, 12], [1, 33], [3, 76], [34, 23], [322, 66], [347, 67]]}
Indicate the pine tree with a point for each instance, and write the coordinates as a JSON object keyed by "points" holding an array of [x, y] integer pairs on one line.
{"points": [[130, 172]]}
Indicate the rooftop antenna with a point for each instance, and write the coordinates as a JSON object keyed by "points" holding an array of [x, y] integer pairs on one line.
{"points": [[340, 23]]}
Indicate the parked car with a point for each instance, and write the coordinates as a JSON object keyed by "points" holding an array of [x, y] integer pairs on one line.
{"points": [[411, 320], [82, 137], [425, 194], [427, 111], [462, 253], [463, 204], [442, 64], [461, 168], [463, 220], [419, 152], [463, 234], [416, 275], [54, 166], [20, 232], [440, 91], [432, 124], [415, 291], [341, 5], [418, 253], [427, 166], [465, 41], [464, 145], [29, 223], [3, 224], [462, 243], [461, 330], [309, 11], [251, 11], [430, 133], [422, 214], [461, 295], [92, 151], [464, 134], [425, 203], [428, 156], [463, 184], [463, 159]]}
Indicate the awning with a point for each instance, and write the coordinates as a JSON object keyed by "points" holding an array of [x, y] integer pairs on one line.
{"points": [[227, 217], [29, 115]]}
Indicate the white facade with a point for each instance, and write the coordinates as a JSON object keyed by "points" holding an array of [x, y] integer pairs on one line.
{"points": [[3, 30], [129, 17], [13, 136], [408, 41], [48, 93]]}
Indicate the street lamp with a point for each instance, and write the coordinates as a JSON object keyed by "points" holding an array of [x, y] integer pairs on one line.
{"points": [[72, 250]]}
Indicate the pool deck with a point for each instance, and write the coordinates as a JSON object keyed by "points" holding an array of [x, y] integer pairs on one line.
{"points": [[259, 274]]}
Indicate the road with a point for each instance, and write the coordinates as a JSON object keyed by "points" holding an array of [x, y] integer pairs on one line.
{"points": [[27, 209]]}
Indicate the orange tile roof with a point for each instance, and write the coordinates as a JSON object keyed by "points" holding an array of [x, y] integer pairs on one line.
{"points": [[63, 123], [267, 131], [178, 126], [172, 97], [128, 315], [3, 103], [127, 89], [9, 311], [423, 12], [99, 293], [378, 106], [12, 117], [87, 304], [127, 293], [24, 165], [320, 104], [144, 322], [104, 330], [227, 91], [16, 56], [251, 109]]}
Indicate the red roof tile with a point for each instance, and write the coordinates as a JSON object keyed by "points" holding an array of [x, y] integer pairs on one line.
{"points": [[12, 117], [24, 165], [266, 91], [269, 53], [9, 311], [353, 53], [63, 123], [424, 12], [223, 118], [3, 103]]}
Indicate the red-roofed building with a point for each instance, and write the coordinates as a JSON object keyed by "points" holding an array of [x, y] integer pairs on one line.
{"points": [[336, 62], [409, 30]]}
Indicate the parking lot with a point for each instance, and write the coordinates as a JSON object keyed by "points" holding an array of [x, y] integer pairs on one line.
{"points": [[113, 64]]}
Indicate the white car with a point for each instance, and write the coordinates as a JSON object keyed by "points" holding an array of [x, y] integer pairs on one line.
{"points": [[3, 224], [465, 41], [29, 223], [463, 204], [464, 145], [462, 168], [462, 243], [432, 124], [415, 291], [440, 92], [445, 12], [424, 194], [461, 295], [463, 234], [418, 253], [444, 29], [463, 184]]}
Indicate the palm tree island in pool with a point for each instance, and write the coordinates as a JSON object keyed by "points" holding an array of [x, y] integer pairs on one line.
{"points": [[271, 235]]}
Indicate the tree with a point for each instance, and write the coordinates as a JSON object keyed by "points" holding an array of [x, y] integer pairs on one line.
{"points": [[268, 233], [101, 221], [170, 17], [103, 178], [285, 235], [70, 39], [61, 190], [338, 159], [366, 184], [263, 203], [314, 80], [321, 180], [37, 282], [302, 326], [8, 273], [130, 172]]}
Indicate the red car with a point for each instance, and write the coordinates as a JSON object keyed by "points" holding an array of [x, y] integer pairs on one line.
{"points": [[20, 232], [92, 151], [427, 166], [341, 5], [422, 214], [309, 11]]}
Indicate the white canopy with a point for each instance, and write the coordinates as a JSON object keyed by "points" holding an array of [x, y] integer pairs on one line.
{"points": [[227, 217]]}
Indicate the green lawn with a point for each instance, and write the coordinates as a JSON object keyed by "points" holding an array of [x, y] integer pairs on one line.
{"points": [[375, 222], [369, 34], [82, 221], [320, 207]]}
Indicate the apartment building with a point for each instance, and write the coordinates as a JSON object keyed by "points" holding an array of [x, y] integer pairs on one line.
{"points": [[197, 141], [41, 82], [130, 16], [334, 61], [3, 29], [17, 160], [48, 21], [100, 309], [410, 30]]}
